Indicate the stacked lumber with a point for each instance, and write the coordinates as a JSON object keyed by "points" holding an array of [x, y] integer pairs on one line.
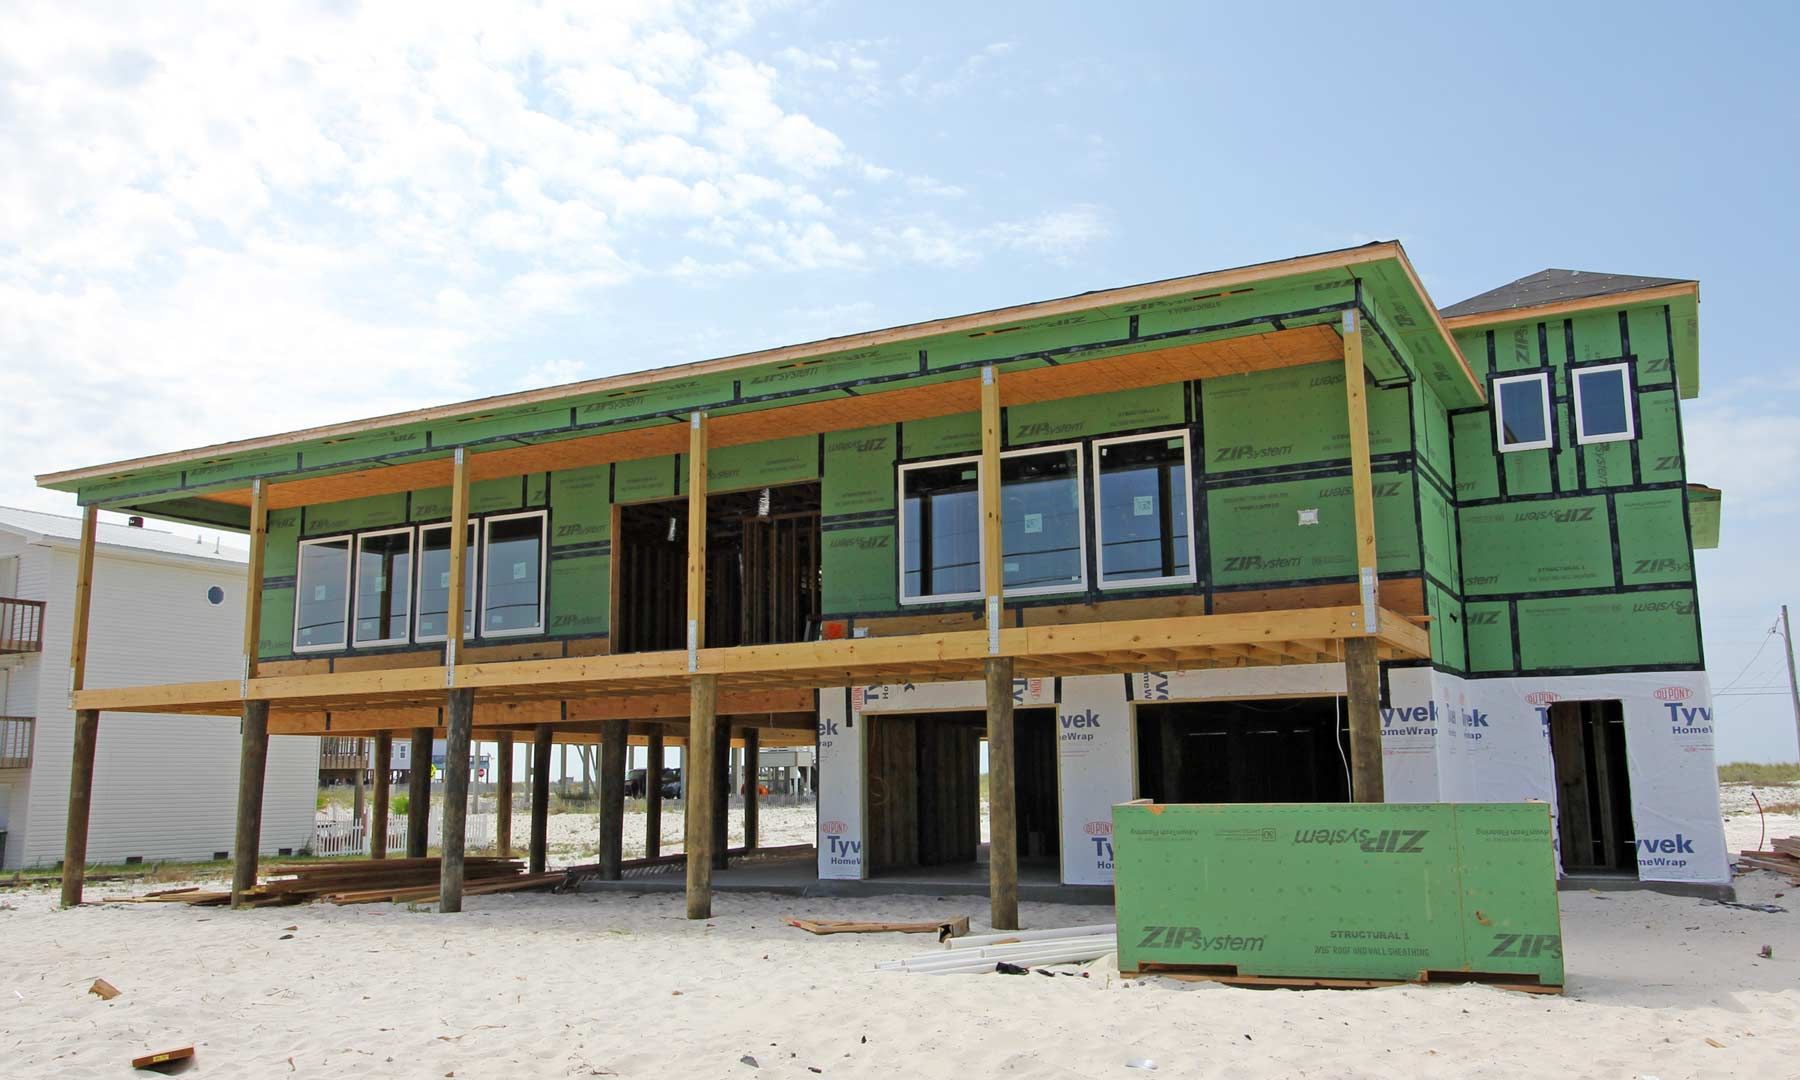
{"points": [[1783, 858], [362, 881]]}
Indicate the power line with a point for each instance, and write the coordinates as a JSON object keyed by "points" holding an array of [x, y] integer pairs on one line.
{"points": [[1758, 654]]}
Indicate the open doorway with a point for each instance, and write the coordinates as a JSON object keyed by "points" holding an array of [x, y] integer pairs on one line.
{"points": [[925, 789], [1276, 750], [1593, 789], [762, 570]]}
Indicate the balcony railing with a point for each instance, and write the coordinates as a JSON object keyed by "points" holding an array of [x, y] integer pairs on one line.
{"points": [[339, 753], [21, 625], [15, 741]]}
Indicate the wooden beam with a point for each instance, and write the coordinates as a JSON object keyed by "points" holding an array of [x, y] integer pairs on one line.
{"points": [[384, 783], [993, 575], [87, 721], [418, 795], [1362, 490], [1362, 683], [612, 799], [1003, 813], [253, 763], [459, 564], [253, 592], [503, 793], [459, 721], [752, 801], [653, 768], [540, 799], [696, 565], [700, 755]]}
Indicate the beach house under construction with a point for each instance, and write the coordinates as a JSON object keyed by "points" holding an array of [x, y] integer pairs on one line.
{"points": [[1285, 532]]}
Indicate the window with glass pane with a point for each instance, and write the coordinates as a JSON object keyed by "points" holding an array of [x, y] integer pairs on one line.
{"points": [[1142, 518], [383, 586], [940, 528], [514, 598], [1603, 404], [1522, 412], [322, 587], [1040, 520], [434, 583]]}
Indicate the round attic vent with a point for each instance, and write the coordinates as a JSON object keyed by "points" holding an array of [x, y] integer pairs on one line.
{"points": [[215, 595]]}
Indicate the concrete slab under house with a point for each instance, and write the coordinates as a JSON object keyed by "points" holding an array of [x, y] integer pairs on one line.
{"points": [[1284, 532]]}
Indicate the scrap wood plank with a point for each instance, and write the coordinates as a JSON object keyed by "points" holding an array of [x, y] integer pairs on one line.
{"points": [[943, 928], [162, 1057], [104, 990]]}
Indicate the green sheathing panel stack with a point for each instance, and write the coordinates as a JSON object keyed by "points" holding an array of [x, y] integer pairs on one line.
{"points": [[1333, 891], [1577, 558], [580, 551]]}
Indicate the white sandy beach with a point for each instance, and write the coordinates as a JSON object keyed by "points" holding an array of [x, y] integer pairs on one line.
{"points": [[620, 984]]}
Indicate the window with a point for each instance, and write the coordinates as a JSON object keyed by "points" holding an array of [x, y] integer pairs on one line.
{"points": [[1603, 404], [940, 531], [1041, 544], [434, 584], [1522, 412], [383, 587], [512, 600], [322, 594], [1142, 503]]}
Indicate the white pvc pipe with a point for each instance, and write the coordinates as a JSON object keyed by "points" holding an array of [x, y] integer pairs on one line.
{"points": [[978, 940], [1028, 953], [998, 952], [974, 965]]}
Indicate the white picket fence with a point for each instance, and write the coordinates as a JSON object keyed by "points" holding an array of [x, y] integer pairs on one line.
{"points": [[349, 837]]}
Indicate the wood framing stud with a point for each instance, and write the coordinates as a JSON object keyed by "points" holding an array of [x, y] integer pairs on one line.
{"points": [[539, 857], [696, 567], [253, 766], [81, 795], [253, 593], [418, 794], [1362, 682], [992, 569], [612, 798], [459, 725], [503, 793], [1362, 488], [384, 783], [1003, 815], [702, 749], [84, 599], [459, 565]]}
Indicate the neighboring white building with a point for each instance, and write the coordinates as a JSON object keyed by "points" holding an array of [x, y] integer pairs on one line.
{"points": [[166, 609]]}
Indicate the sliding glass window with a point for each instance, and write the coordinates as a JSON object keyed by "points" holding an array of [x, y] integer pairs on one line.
{"points": [[1041, 543], [383, 586], [1143, 504], [322, 594], [512, 599], [434, 583], [940, 531]]}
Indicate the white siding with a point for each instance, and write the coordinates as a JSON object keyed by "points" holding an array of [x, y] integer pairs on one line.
{"points": [[165, 787]]}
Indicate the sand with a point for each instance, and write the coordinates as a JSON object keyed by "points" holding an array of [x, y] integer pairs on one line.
{"points": [[617, 984]]}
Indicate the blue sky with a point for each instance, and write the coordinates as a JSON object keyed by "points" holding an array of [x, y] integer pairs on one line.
{"points": [[243, 221]]}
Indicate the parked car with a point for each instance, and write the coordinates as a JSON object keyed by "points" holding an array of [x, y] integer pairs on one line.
{"points": [[671, 784]]}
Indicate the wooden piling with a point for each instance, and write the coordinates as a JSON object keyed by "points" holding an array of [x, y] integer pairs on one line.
{"points": [[253, 764], [752, 804], [384, 782], [702, 753], [1003, 819], [540, 798], [1362, 681], [721, 793], [87, 721], [653, 767], [418, 795], [503, 793], [459, 726], [612, 798]]}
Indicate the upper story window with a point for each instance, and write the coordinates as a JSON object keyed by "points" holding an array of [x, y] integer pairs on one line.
{"points": [[1522, 412], [322, 588], [1603, 404], [1142, 504], [940, 531], [1042, 548], [512, 600], [383, 587], [434, 583]]}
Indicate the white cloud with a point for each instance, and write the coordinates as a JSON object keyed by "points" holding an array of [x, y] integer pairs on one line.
{"points": [[1751, 452]]}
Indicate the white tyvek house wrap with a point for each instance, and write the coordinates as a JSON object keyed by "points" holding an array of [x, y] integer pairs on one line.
{"points": [[946, 696], [1095, 765], [842, 845]]}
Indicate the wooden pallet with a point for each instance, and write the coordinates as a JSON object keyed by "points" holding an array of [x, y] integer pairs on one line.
{"points": [[1230, 976]]}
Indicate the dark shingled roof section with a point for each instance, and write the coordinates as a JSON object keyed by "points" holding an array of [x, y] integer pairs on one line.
{"points": [[1553, 286]]}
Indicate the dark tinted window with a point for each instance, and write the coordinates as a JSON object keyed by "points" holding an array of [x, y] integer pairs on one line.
{"points": [[1522, 416], [434, 582], [515, 548], [323, 588], [1143, 511], [942, 521], [1040, 519], [383, 586], [1604, 408]]}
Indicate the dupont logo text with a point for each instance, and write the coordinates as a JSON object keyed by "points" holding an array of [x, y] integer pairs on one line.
{"points": [[1100, 834], [840, 850], [1673, 693]]}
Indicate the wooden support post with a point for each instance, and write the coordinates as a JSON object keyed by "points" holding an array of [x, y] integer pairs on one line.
{"points": [[1362, 488], [418, 795], [612, 798], [459, 563], [752, 807], [359, 810], [459, 728], [993, 577], [503, 793], [653, 768], [539, 855], [253, 765], [721, 809], [259, 537], [384, 783], [1362, 681], [87, 721], [1003, 814], [701, 755], [696, 566]]}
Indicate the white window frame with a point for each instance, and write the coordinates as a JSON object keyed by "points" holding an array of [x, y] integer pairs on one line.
{"points": [[412, 547], [1542, 378], [900, 524], [473, 554], [349, 540], [1080, 520], [1187, 454], [486, 529], [1630, 432]]}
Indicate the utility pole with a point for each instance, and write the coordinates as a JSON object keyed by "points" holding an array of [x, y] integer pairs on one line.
{"points": [[1787, 646]]}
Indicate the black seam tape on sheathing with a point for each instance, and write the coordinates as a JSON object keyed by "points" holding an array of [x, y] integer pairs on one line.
{"points": [[1400, 461], [1567, 594], [286, 581], [870, 523], [1540, 496]]}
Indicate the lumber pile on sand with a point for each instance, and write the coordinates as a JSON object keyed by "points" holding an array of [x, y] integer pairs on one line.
{"points": [[1783, 858], [361, 881]]}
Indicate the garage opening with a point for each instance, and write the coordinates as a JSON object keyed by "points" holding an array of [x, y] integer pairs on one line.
{"points": [[1593, 790], [926, 787], [1277, 750], [762, 570]]}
